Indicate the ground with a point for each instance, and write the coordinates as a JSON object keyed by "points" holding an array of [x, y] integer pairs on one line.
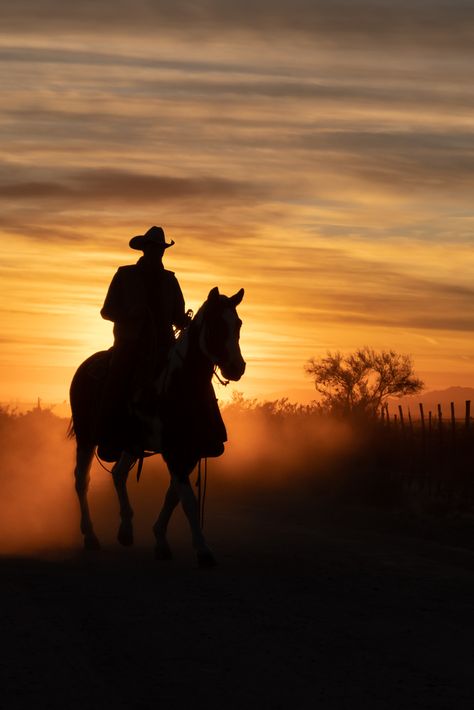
{"points": [[330, 611]]}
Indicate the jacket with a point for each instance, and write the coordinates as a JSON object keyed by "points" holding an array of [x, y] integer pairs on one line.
{"points": [[144, 302]]}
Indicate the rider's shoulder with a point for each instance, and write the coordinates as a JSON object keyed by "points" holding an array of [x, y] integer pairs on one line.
{"points": [[130, 270], [127, 270]]}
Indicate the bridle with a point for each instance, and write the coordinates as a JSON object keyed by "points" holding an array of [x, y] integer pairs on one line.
{"points": [[199, 323], [218, 378]]}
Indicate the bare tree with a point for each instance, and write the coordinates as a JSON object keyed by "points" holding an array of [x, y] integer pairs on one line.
{"points": [[361, 382]]}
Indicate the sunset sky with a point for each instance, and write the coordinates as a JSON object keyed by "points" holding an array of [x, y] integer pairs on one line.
{"points": [[318, 153]]}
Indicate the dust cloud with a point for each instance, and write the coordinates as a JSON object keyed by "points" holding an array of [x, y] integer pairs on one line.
{"points": [[36, 501], [276, 443], [273, 449]]}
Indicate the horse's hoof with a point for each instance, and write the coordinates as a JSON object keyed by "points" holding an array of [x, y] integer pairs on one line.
{"points": [[206, 560], [125, 535], [91, 543], [163, 551]]}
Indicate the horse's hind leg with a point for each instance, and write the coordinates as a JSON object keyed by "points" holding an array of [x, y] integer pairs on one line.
{"points": [[120, 475], [162, 549], [82, 477]]}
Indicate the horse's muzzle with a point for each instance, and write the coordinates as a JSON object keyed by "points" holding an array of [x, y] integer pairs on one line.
{"points": [[233, 371]]}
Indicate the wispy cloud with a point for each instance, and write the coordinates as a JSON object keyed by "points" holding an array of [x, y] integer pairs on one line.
{"points": [[434, 23], [99, 185], [318, 152]]}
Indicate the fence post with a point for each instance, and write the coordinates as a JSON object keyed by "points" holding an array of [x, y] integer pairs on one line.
{"points": [[440, 429], [468, 413], [423, 465], [422, 419], [453, 424], [402, 421]]}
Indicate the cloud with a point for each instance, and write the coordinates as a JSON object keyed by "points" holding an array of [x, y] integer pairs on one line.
{"points": [[331, 285], [115, 186], [73, 55], [42, 341], [267, 129], [40, 227], [412, 160], [433, 23]]}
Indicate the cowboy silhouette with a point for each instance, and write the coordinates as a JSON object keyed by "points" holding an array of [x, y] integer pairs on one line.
{"points": [[144, 301]]}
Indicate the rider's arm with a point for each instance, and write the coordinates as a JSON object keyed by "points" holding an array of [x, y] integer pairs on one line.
{"points": [[180, 316], [112, 308], [122, 305]]}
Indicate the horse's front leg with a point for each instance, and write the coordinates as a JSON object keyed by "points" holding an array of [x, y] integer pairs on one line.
{"points": [[162, 549], [190, 506], [82, 477], [120, 473]]}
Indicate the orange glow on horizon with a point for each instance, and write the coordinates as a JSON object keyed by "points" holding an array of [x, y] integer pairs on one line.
{"points": [[325, 171]]}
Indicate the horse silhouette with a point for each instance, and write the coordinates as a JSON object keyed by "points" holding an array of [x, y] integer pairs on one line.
{"points": [[183, 424]]}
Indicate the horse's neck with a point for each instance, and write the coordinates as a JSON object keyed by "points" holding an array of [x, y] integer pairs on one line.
{"points": [[186, 361], [195, 361]]}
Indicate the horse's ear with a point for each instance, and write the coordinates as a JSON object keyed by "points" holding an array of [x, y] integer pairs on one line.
{"points": [[213, 295], [237, 297]]}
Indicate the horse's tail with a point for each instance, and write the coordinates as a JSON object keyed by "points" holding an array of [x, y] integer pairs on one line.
{"points": [[70, 434]]}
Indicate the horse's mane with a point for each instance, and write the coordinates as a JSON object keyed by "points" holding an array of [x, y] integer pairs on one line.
{"points": [[183, 336]]}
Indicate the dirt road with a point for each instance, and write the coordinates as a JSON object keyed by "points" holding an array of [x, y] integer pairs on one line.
{"points": [[316, 615]]}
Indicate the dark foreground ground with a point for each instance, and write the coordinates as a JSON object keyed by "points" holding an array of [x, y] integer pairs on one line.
{"points": [[338, 612]]}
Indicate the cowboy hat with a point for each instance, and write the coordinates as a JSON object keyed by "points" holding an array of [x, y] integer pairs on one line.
{"points": [[155, 235]]}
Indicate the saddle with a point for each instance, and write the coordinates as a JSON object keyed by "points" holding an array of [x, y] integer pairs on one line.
{"points": [[125, 420], [155, 418]]}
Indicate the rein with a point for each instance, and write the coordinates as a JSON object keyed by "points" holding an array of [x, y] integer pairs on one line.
{"points": [[201, 485], [111, 470], [218, 378], [201, 480]]}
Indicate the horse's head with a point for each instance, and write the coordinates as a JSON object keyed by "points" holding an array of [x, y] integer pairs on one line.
{"points": [[220, 333]]}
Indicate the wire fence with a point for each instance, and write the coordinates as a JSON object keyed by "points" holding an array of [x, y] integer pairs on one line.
{"points": [[431, 450]]}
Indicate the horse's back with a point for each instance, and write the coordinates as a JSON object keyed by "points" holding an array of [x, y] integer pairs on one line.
{"points": [[85, 393]]}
